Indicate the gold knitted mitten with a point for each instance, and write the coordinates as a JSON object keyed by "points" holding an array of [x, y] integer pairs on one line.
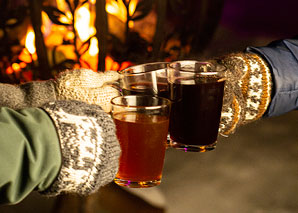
{"points": [[247, 90], [88, 86]]}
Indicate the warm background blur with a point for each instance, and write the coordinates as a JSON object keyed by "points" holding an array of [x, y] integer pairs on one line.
{"points": [[254, 170]]}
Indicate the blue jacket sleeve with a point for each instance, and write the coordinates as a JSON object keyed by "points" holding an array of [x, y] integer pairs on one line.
{"points": [[282, 57]]}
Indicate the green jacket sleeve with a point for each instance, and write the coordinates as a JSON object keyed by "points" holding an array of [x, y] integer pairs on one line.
{"points": [[30, 156]]}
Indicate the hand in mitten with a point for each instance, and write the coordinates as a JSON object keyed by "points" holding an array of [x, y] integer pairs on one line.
{"points": [[89, 147], [247, 90], [78, 84]]}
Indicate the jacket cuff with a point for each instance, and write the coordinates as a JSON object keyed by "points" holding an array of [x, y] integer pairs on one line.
{"points": [[89, 146], [281, 57]]}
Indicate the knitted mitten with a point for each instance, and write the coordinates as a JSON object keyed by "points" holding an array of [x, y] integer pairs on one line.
{"points": [[247, 90], [88, 86], [89, 146], [78, 84]]}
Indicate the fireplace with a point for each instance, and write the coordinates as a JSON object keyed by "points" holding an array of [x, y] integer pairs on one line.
{"points": [[38, 38]]}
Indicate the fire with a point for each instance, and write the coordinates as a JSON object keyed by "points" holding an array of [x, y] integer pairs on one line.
{"points": [[113, 65], [93, 49], [29, 42], [83, 23], [118, 9], [84, 26]]}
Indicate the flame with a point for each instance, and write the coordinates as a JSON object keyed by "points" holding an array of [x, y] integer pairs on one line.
{"points": [[83, 23], [113, 65], [16, 67], [25, 56], [61, 4], [29, 42], [93, 49], [118, 9], [9, 70]]}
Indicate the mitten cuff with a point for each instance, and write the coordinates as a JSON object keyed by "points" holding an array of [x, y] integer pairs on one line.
{"points": [[249, 80], [89, 146]]}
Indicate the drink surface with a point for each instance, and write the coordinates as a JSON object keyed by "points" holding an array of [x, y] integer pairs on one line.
{"points": [[195, 113], [142, 139], [146, 88]]}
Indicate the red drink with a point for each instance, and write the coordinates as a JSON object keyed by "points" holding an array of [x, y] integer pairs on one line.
{"points": [[196, 111], [143, 142]]}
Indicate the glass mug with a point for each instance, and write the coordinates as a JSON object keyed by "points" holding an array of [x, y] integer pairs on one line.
{"points": [[145, 79], [196, 90], [142, 126]]}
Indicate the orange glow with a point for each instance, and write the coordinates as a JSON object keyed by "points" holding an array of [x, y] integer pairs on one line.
{"points": [[29, 42], [61, 5], [118, 9], [9, 70], [34, 57], [25, 56], [16, 67], [23, 64], [46, 23], [111, 64], [125, 64]]}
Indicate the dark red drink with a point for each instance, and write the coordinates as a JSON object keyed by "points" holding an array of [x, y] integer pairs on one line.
{"points": [[196, 111]]}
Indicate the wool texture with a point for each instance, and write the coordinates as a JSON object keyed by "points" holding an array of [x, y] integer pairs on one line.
{"points": [[247, 90], [89, 146], [88, 86], [30, 94], [78, 84]]}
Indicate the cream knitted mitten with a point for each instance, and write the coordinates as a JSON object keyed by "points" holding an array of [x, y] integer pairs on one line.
{"points": [[247, 90], [89, 147], [78, 84], [88, 86]]}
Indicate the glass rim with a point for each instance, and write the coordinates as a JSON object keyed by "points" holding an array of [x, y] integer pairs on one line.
{"points": [[159, 106], [125, 71], [190, 70]]}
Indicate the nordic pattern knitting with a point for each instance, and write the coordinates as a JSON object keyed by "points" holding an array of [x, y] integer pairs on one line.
{"points": [[89, 146], [247, 90]]}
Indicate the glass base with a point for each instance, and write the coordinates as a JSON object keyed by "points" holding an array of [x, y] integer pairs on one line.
{"points": [[193, 148], [137, 184]]}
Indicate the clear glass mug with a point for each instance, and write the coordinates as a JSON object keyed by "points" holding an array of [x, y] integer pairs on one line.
{"points": [[142, 126], [196, 90], [145, 79]]}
